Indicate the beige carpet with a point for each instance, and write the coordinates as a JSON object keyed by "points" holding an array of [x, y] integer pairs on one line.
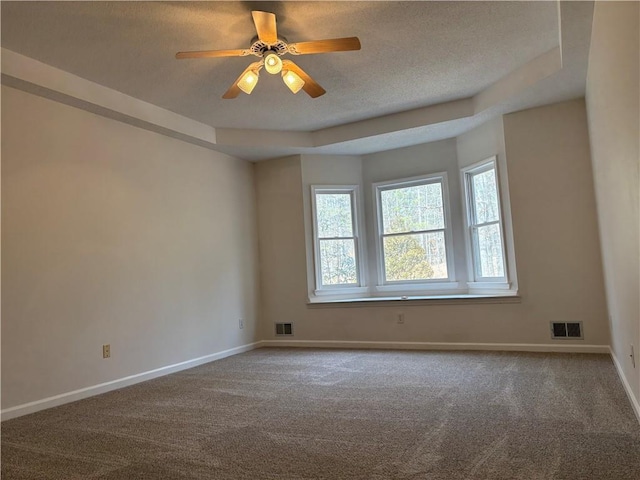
{"points": [[337, 414]]}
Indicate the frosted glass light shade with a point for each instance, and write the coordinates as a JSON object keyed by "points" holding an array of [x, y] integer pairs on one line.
{"points": [[248, 82], [272, 63], [292, 80]]}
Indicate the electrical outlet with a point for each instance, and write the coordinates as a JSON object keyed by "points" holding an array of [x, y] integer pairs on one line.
{"points": [[241, 323], [633, 357], [400, 318], [106, 351]]}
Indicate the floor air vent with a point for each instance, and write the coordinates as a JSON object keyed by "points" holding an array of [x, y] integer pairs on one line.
{"points": [[566, 330], [284, 329]]}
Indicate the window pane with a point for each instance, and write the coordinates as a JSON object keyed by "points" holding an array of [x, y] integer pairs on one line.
{"points": [[338, 262], [489, 248], [415, 257], [334, 215], [485, 196], [412, 208]]}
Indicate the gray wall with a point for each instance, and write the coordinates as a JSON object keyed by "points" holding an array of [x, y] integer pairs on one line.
{"points": [[614, 127], [409, 162], [113, 234], [554, 227]]}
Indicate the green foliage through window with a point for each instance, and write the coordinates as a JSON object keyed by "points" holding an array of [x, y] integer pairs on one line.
{"points": [[413, 225]]}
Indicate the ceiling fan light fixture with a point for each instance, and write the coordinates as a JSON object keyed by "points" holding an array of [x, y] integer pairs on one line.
{"points": [[292, 80], [273, 63], [248, 82], [269, 47]]}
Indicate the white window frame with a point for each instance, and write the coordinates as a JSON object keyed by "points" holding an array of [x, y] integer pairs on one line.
{"points": [[477, 282], [439, 285], [356, 219]]}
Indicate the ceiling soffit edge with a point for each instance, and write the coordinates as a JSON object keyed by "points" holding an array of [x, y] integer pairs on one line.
{"points": [[30, 75]]}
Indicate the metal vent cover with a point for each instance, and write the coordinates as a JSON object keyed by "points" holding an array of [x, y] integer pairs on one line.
{"points": [[567, 330], [284, 328]]}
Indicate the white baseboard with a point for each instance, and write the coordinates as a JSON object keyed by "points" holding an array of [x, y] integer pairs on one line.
{"points": [[627, 388], [511, 347], [56, 400]]}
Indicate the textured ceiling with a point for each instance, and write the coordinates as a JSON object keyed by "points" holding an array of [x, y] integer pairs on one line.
{"points": [[413, 54]]}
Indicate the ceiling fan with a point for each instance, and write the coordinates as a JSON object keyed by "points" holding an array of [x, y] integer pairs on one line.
{"points": [[269, 47]]}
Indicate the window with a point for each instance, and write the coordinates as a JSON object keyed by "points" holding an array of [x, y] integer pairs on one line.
{"points": [[484, 222], [336, 240], [413, 231]]}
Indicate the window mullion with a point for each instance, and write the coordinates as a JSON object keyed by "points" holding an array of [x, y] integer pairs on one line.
{"points": [[486, 224], [337, 238], [412, 232]]}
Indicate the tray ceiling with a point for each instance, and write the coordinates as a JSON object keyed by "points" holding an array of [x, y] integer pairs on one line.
{"points": [[414, 54]]}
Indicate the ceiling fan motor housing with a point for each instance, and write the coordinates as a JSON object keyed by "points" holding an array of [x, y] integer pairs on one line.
{"points": [[260, 48]]}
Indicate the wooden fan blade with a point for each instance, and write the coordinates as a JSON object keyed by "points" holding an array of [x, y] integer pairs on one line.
{"points": [[265, 26], [234, 90], [311, 87], [212, 53], [324, 46]]}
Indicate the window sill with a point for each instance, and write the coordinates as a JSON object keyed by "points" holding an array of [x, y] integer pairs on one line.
{"points": [[419, 289], [341, 291], [489, 288], [415, 300]]}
